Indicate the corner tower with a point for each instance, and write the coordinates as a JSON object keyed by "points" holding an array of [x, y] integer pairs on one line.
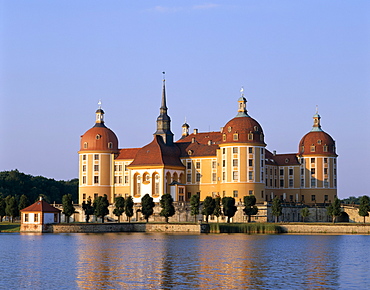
{"points": [[163, 120], [98, 148]]}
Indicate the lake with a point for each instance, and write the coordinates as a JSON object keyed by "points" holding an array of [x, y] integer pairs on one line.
{"points": [[183, 261]]}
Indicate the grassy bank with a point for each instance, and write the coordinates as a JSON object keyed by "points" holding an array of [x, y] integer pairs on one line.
{"points": [[7, 227], [251, 228]]}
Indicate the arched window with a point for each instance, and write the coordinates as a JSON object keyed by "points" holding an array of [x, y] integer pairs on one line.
{"points": [[137, 185], [85, 145], [155, 184], [110, 145]]}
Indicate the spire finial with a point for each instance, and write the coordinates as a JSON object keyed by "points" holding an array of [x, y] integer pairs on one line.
{"points": [[317, 109], [242, 91], [99, 104], [164, 75]]}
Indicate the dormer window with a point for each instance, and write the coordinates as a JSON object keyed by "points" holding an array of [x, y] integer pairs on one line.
{"points": [[110, 145], [224, 137], [85, 145], [98, 136], [229, 129], [318, 141], [250, 136], [236, 137], [325, 148], [313, 148]]}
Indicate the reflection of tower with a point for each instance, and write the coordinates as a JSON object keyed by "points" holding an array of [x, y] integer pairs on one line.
{"points": [[96, 159], [318, 164]]}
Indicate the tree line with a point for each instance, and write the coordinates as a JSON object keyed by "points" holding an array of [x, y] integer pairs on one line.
{"points": [[15, 183]]}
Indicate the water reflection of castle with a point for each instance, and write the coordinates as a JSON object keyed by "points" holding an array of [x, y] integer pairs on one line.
{"points": [[232, 162]]}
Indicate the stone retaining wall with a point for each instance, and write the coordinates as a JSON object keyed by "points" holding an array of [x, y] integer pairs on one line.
{"points": [[326, 229], [124, 227]]}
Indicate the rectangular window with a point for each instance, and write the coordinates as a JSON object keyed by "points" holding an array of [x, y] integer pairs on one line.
{"points": [[325, 171], [188, 165], [26, 217], [188, 177], [325, 160], [84, 168], [96, 167], [84, 196], [213, 164], [326, 183], [115, 167], [223, 176], [290, 182], [250, 149], [223, 150], [96, 179], [290, 171], [96, 156], [281, 171], [326, 197], [281, 182], [313, 171], [250, 175], [302, 182], [312, 148], [313, 182], [271, 182], [120, 179], [189, 195], [250, 192], [302, 171], [126, 169], [262, 195], [84, 157], [250, 162], [83, 179], [223, 163], [36, 217], [291, 198], [313, 197], [235, 193], [95, 196], [235, 162], [119, 167], [325, 148], [126, 179], [235, 137], [262, 163], [55, 217], [261, 176], [235, 175], [197, 165], [235, 150], [250, 136], [312, 160], [270, 171], [198, 177], [213, 176]]}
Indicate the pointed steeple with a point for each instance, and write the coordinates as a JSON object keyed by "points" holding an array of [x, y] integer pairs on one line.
{"points": [[316, 121], [163, 120], [242, 105], [185, 130]]}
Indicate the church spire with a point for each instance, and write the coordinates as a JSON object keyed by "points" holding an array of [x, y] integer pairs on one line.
{"points": [[163, 120], [99, 120]]}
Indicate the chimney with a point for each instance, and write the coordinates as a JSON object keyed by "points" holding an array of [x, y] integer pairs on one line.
{"points": [[221, 129], [274, 152], [195, 131]]}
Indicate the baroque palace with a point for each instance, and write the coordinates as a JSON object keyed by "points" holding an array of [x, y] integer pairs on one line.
{"points": [[232, 162]]}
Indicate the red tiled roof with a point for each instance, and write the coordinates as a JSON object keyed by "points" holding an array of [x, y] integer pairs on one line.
{"points": [[41, 206], [157, 153], [196, 149], [203, 138], [98, 138], [128, 153], [319, 139], [286, 159]]}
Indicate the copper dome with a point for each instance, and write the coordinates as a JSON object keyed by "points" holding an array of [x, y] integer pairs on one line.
{"points": [[317, 142], [99, 138], [243, 130]]}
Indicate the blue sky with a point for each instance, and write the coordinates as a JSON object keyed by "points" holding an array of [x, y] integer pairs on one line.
{"points": [[58, 58]]}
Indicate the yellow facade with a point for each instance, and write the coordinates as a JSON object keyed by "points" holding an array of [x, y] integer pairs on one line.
{"points": [[233, 162]]}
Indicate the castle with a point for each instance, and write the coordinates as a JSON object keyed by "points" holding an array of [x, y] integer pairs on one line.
{"points": [[232, 162]]}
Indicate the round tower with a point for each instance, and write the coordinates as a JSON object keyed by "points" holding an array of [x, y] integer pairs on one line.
{"points": [[242, 156], [98, 147], [318, 160]]}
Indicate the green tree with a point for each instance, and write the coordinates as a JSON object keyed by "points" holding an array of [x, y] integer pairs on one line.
{"points": [[334, 209], [88, 209], [23, 202], [276, 208], [147, 206], [364, 207], [194, 206], [2, 208], [250, 207], [119, 209], [208, 207], [229, 207], [305, 213], [129, 207], [217, 211], [11, 207], [166, 203], [101, 207], [68, 208]]}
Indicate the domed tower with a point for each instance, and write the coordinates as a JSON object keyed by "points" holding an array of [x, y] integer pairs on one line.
{"points": [[242, 156], [98, 147], [318, 164]]}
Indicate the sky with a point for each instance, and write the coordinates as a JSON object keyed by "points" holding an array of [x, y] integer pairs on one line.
{"points": [[59, 58]]}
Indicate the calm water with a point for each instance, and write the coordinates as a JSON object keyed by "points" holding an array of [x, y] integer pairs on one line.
{"points": [[173, 261]]}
